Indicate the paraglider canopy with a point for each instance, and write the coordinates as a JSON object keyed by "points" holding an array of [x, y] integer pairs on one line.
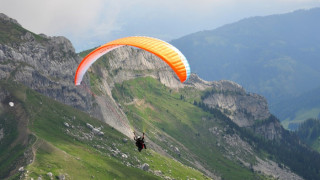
{"points": [[168, 53]]}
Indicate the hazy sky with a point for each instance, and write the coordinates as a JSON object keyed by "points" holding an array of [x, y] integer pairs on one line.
{"points": [[89, 23]]}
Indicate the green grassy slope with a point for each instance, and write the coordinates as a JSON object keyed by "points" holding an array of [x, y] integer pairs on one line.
{"points": [[76, 153], [153, 108]]}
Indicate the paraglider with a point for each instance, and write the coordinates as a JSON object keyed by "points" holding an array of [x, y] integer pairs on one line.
{"points": [[168, 53], [165, 51], [139, 142]]}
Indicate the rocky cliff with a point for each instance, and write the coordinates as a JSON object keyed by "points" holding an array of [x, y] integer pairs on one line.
{"points": [[46, 64], [247, 110], [241, 107]]}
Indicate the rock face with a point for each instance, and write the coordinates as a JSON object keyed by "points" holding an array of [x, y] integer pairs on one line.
{"points": [[272, 169], [245, 109], [45, 64], [241, 107], [8, 19], [126, 63], [271, 129], [145, 167]]}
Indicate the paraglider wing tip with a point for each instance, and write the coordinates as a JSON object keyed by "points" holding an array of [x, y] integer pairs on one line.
{"points": [[184, 80], [76, 83]]}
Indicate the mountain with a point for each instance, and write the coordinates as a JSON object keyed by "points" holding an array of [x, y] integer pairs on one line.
{"points": [[196, 130], [47, 128], [276, 56]]}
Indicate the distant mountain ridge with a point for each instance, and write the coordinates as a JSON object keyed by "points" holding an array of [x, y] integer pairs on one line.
{"points": [[276, 56]]}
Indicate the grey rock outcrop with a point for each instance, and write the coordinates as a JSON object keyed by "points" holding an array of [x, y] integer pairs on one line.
{"points": [[50, 174], [61, 177], [66, 124], [94, 130], [126, 63], [272, 169], [271, 130], [241, 107], [245, 109], [6, 18], [158, 173], [21, 169], [145, 167], [47, 67]]}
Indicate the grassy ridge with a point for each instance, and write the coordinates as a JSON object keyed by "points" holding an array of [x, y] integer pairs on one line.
{"points": [[153, 107]]}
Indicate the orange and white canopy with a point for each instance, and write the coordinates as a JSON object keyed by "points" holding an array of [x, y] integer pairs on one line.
{"points": [[168, 53]]}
